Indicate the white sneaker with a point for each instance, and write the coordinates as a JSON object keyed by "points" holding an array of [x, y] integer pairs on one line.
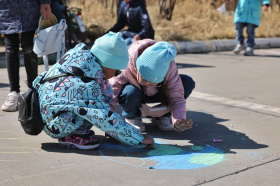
{"points": [[137, 123], [163, 123], [238, 48], [10, 104], [249, 51]]}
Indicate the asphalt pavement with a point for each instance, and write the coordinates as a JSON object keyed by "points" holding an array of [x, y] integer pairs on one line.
{"points": [[236, 100]]}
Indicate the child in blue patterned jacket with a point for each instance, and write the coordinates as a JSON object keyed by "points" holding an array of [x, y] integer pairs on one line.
{"points": [[72, 104]]}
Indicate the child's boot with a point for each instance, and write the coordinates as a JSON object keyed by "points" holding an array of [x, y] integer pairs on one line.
{"points": [[163, 123], [249, 51], [239, 48], [136, 122]]}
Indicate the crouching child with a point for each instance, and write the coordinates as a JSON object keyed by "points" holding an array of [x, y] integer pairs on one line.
{"points": [[70, 105], [151, 77]]}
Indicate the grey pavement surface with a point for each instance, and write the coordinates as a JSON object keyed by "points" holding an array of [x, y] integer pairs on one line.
{"points": [[236, 99]]}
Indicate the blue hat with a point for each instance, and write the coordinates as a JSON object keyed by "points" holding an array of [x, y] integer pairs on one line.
{"points": [[111, 51], [154, 62]]}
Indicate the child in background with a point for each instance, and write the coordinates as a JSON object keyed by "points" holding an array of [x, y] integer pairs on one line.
{"points": [[248, 14], [134, 14], [151, 77], [72, 104]]}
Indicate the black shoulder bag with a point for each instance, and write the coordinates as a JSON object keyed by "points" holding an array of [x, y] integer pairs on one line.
{"points": [[29, 109]]}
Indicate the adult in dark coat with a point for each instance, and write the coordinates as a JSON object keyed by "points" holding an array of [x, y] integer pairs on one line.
{"points": [[134, 14], [20, 17]]}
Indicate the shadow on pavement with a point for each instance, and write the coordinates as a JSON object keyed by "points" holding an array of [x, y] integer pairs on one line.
{"points": [[277, 56], [206, 128], [198, 139], [183, 65], [241, 55], [4, 85], [54, 147]]}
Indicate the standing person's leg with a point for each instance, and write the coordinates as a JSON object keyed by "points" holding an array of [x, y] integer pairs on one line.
{"points": [[130, 100], [30, 58], [251, 40], [239, 37], [12, 61]]}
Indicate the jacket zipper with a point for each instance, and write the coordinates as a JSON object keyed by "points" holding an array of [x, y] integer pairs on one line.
{"points": [[127, 14]]}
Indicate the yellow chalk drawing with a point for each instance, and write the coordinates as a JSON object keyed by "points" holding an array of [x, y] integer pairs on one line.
{"points": [[207, 158]]}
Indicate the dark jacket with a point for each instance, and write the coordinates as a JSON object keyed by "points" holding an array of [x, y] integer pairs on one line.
{"points": [[17, 16], [135, 15]]}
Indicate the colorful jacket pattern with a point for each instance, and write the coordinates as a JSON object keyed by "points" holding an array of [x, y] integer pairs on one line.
{"points": [[67, 102]]}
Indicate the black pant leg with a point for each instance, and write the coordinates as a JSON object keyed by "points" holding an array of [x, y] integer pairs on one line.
{"points": [[30, 58]]}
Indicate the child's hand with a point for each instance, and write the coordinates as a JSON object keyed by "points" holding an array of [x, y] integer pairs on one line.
{"points": [[148, 140], [264, 7], [182, 125], [45, 10], [137, 37]]}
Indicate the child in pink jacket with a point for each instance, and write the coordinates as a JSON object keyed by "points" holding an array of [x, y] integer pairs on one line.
{"points": [[152, 77]]}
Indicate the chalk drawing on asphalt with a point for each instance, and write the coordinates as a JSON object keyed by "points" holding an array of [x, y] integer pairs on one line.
{"points": [[164, 155]]}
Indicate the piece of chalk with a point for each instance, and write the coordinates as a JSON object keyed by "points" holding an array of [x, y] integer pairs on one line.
{"points": [[151, 167], [217, 140]]}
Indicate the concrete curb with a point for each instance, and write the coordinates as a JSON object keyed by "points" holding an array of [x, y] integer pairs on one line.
{"points": [[185, 47]]}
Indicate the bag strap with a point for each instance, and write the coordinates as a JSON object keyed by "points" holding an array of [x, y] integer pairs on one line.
{"points": [[46, 61], [45, 80], [61, 34], [53, 77], [61, 44]]}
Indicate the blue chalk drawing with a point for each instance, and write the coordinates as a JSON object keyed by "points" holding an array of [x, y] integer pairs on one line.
{"points": [[166, 156]]}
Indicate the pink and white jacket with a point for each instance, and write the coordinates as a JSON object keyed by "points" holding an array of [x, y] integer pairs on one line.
{"points": [[173, 87]]}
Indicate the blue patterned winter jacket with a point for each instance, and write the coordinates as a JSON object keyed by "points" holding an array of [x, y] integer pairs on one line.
{"points": [[17, 16], [249, 11], [69, 101]]}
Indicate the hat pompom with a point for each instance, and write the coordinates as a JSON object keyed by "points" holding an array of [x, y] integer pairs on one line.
{"points": [[111, 51]]}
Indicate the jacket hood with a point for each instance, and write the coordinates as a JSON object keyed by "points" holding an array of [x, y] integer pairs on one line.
{"points": [[79, 61]]}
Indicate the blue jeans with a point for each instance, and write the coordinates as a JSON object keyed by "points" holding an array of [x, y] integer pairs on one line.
{"points": [[131, 98], [250, 31]]}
